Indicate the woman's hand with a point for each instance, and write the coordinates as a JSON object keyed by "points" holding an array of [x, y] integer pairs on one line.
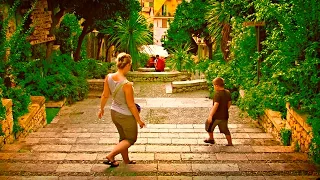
{"points": [[101, 112], [141, 124]]}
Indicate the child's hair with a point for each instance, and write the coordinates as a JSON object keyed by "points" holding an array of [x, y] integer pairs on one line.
{"points": [[218, 81], [123, 59]]}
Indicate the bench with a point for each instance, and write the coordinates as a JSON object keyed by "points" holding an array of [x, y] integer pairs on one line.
{"points": [[187, 86]]}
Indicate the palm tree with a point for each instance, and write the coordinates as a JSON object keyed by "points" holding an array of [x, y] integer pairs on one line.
{"points": [[180, 59], [219, 26], [130, 34]]}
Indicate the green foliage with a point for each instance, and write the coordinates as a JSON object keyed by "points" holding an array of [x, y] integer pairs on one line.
{"points": [[51, 113], [12, 63], [189, 21], [1, 132], [68, 33], [142, 59], [219, 68], [20, 102], [62, 78], [180, 59], [297, 147], [129, 34], [285, 135], [290, 53], [2, 108], [95, 69]]}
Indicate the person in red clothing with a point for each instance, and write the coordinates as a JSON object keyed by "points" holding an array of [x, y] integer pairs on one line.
{"points": [[150, 63], [160, 65]]}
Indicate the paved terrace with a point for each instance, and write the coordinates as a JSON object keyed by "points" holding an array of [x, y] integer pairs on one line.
{"points": [[74, 144]]}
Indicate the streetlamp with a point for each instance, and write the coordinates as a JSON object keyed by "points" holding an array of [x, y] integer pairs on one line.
{"points": [[95, 41]]}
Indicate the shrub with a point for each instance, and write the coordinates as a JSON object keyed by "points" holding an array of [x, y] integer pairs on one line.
{"points": [[285, 135], [2, 108], [20, 103], [95, 69], [62, 78]]}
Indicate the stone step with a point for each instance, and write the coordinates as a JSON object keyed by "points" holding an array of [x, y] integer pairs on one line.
{"points": [[161, 177], [161, 167], [147, 148], [41, 156], [150, 141], [149, 126], [177, 134], [113, 130]]}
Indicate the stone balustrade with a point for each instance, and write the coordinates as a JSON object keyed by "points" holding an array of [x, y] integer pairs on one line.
{"points": [[185, 86], [7, 124], [31, 121], [301, 131], [35, 119], [272, 123]]}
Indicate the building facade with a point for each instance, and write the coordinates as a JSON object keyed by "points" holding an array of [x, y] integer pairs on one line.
{"points": [[159, 13]]}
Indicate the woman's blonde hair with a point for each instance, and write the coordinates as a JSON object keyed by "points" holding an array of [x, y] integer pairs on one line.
{"points": [[123, 59]]}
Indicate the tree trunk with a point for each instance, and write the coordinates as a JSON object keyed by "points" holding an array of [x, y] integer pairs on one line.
{"points": [[194, 46], [55, 23], [80, 40], [100, 39], [209, 44], [226, 29], [108, 46], [107, 53]]}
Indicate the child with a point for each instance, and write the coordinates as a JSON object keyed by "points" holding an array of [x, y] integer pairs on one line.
{"points": [[219, 113]]}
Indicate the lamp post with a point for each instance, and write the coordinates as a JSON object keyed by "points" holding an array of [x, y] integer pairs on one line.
{"points": [[95, 41]]}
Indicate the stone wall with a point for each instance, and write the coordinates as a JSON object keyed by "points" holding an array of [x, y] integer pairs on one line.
{"points": [[157, 76], [7, 124], [95, 84], [272, 123], [301, 131], [141, 69], [32, 121], [185, 86]]}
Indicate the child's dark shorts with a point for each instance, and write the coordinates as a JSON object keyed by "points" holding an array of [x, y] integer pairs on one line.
{"points": [[222, 124]]}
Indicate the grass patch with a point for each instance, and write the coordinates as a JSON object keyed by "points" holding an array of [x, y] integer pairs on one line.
{"points": [[51, 113]]}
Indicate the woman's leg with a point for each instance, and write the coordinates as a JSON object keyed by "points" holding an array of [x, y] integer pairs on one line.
{"points": [[121, 147], [125, 156], [128, 131]]}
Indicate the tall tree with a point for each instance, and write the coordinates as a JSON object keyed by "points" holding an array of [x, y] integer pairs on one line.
{"points": [[94, 10], [58, 9], [219, 17], [130, 34], [190, 19]]}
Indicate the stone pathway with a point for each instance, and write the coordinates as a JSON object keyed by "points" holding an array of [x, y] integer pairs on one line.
{"points": [[74, 144]]}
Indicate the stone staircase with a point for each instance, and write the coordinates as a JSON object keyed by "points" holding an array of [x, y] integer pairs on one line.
{"points": [[163, 151], [74, 144]]}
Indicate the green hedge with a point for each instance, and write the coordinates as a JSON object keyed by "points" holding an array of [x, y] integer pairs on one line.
{"points": [[290, 67]]}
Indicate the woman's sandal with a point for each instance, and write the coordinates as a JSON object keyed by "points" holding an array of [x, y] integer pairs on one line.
{"points": [[111, 163], [210, 141]]}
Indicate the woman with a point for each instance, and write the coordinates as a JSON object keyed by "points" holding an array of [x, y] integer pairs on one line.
{"points": [[124, 112]]}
